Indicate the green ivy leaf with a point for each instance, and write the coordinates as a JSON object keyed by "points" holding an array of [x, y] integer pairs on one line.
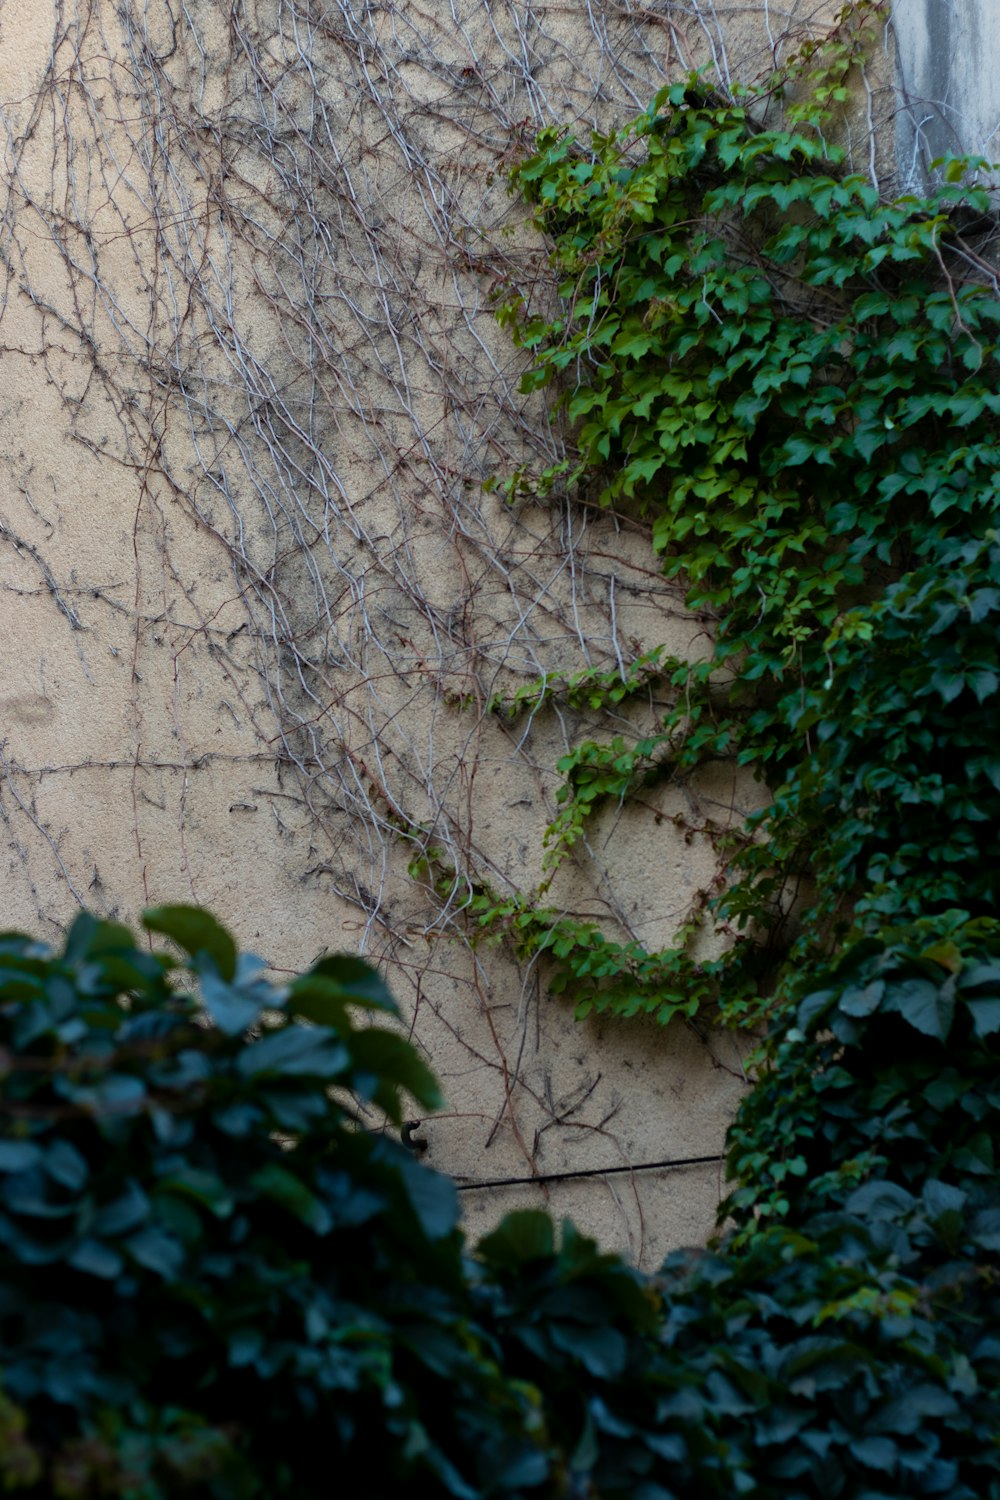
{"points": [[196, 932], [927, 1007], [432, 1196], [352, 978], [396, 1065], [19, 1156], [294, 1051], [985, 1016], [231, 1008], [522, 1237]]}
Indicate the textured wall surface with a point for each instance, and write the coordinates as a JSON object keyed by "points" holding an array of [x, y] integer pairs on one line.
{"points": [[949, 75], [254, 598]]}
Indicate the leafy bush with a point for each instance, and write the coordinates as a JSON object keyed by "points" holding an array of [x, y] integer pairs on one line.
{"points": [[215, 1282], [888, 1070], [841, 1344], [213, 1279]]}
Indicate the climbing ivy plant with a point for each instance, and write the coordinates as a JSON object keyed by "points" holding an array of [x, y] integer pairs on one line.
{"points": [[795, 382]]}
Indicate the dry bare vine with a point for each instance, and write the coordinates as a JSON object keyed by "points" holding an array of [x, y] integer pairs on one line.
{"points": [[252, 245]]}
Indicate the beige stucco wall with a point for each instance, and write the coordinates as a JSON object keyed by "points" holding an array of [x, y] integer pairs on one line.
{"points": [[251, 389]]}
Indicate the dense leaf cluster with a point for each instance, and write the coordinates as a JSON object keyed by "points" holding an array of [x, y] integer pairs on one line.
{"points": [[213, 1279], [797, 382], [215, 1282]]}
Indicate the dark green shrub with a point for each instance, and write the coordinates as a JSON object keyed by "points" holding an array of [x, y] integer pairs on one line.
{"points": [[888, 1070], [215, 1283], [213, 1280], [853, 1356]]}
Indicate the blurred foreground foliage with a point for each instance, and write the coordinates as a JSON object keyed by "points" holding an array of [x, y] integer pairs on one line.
{"points": [[216, 1282]]}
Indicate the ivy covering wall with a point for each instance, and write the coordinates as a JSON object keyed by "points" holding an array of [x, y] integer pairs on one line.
{"points": [[795, 383], [215, 1282]]}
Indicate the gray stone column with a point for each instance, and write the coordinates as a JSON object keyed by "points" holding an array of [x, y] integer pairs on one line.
{"points": [[948, 71]]}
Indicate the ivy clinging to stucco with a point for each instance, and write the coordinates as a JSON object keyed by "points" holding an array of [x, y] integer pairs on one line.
{"points": [[793, 380]]}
